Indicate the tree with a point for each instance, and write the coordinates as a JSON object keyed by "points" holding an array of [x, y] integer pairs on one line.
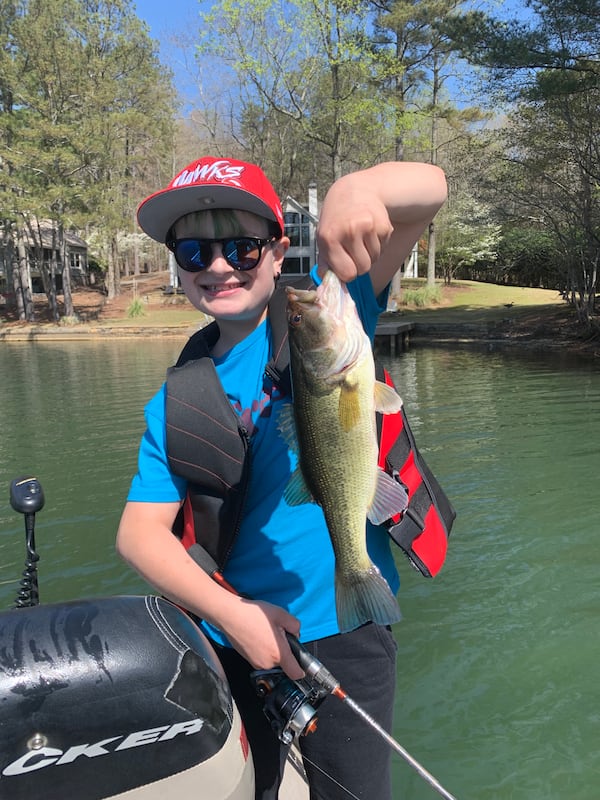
{"points": [[402, 47], [129, 136], [549, 67], [89, 114], [527, 256], [470, 237], [415, 58], [303, 85]]}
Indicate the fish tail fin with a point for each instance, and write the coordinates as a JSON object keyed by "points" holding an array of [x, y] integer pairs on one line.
{"points": [[364, 597]]}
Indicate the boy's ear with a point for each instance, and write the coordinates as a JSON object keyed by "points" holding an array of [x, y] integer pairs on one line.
{"points": [[280, 248]]}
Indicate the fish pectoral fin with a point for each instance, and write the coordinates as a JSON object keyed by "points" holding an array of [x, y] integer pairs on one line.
{"points": [[387, 399], [390, 498], [349, 405], [296, 492]]}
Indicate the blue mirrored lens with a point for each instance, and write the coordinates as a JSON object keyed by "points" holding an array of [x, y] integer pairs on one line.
{"points": [[194, 255]]}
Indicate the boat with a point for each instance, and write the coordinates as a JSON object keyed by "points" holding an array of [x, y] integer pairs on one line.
{"points": [[124, 698], [115, 697]]}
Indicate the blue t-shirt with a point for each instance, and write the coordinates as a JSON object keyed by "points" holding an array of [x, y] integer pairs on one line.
{"points": [[283, 554]]}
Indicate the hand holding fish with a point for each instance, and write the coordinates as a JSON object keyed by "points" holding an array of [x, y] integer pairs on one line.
{"points": [[354, 228], [371, 219]]}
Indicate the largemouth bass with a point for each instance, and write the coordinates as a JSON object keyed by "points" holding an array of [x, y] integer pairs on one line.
{"points": [[335, 396]]}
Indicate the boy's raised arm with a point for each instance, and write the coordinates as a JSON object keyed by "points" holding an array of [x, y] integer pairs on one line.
{"points": [[371, 219]]}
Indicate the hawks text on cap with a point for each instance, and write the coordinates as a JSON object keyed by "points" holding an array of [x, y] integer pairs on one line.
{"points": [[210, 183]]}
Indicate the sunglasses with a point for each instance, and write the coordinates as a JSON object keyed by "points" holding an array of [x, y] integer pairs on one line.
{"points": [[240, 252]]}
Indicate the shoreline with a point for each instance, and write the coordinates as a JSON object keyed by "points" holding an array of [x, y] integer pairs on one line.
{"points": [[62, 333], [440, 334], [471, 314]]}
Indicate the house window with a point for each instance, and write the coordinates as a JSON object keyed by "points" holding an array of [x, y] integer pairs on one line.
{"points": [[297, 229], [301, 256], [76, 260], [297, 265]]}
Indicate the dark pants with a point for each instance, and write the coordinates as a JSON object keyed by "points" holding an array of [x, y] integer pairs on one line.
{"points": [[344, 754]]}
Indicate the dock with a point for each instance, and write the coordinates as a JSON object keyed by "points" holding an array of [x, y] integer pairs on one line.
{"points": [[395, 332]]}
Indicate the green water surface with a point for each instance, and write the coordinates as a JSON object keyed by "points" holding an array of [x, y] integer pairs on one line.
{"points": [[498, 692]]}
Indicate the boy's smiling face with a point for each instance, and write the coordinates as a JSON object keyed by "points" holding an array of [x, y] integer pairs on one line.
{"points": [[220, 290]]}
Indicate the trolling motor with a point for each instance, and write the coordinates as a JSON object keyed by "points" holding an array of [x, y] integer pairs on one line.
{"points": [[27, 497]]}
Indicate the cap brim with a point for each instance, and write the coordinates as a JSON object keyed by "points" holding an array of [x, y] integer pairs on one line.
{"points": [[158, 213]]}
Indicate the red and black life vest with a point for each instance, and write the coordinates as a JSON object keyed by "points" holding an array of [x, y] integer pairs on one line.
{"points": [[208, 445], [423, 529]]}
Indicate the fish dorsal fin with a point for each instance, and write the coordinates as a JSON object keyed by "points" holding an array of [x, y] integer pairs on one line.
{"points": [[387, 399], [349, 405], [390, 498]]}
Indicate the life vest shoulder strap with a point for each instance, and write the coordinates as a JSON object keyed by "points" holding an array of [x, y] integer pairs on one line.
{"points": [[278, 368], [207, 443]]}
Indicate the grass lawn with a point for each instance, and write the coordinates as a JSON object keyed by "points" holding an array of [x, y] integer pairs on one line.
{"points": [[472, 301], [463, 302]]}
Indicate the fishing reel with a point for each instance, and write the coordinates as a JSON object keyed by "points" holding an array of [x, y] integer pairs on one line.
{"points": [[290, 706]]}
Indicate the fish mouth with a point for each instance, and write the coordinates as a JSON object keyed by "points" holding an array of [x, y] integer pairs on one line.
{"points": [[331, 294], [299, 297], [325, 320]]}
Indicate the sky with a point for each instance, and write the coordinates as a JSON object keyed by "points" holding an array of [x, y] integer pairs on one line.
{"points": [[166, 18], [172, 24]]}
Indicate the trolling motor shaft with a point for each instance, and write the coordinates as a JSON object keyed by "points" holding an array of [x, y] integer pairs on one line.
{"points": [[27, 497]]}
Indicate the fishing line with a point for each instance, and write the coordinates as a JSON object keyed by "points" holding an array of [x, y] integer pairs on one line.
{"points": [[330, 777]]}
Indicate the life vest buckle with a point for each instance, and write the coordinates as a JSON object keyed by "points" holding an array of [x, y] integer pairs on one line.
{"points": [[407, 529]]}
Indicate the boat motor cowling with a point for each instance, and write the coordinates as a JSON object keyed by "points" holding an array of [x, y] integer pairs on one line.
{"points": [[111, 697]]}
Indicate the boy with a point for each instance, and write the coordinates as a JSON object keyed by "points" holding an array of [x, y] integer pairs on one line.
{"points": [[223, 221]]}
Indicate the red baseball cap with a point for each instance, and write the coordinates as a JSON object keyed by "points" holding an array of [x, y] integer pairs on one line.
{"points": [[210, 183]]}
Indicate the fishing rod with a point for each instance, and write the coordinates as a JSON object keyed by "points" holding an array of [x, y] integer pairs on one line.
{"points": [[322, 677], [303, 721]]}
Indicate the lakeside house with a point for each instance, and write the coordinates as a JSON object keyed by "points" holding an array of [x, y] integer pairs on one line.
{"points": [[300, 225], [42, 252]]}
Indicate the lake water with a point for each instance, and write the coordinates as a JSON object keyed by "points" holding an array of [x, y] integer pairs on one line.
{"points": [[498, 693]]}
